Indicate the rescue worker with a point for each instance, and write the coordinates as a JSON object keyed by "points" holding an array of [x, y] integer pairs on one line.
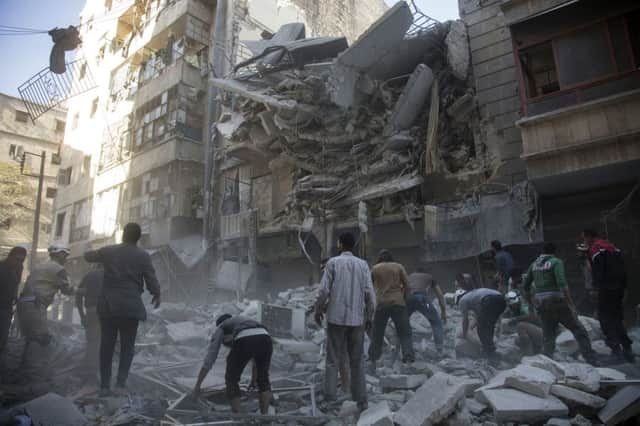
{"points": [[504, 265], [87, 303], [554, 303], [610, 280], [43, 283], [527, 324], [248, 340], [423, 290], [10, 277], [390, 282], [487, 304]]}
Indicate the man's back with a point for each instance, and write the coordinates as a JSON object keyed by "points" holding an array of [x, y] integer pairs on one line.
{"points": [[9, 281], [92, 285], [547, 273], [390, 282], [45, 280]]}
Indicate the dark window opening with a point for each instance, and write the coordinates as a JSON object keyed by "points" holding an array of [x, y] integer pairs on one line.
{"points": [[60, 224], [633, 26], [51, 192], [584, 56], [94, 107], [64, 176], [22, 116], [60, 126], [539, 70]]}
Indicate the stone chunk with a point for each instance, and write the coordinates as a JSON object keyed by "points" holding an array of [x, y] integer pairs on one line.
{"points": [[577, 398], [532, 380], [53, 408], [296, 347], [377, 415], [555, 421], [412, 99], [474, 406], [546, 363], [496, 382], [516, 406], [402, 381], [458, 49], [348, 408], [625, 404], [611, 374], [434, 401], [582, 376]]}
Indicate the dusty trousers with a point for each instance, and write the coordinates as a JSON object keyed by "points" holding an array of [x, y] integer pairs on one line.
{"points": [[400, 317], [555, 310], [92, 334], [257, 348], [345, 340], [111, 328], [611, 316]]}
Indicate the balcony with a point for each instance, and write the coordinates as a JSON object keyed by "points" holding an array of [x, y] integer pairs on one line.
{"points": [[179, 71], [237, 225], [582, 147]]}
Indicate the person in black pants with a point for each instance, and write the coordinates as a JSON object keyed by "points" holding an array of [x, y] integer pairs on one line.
{"points": [[488, 305], [248, 340], [127, 269]]}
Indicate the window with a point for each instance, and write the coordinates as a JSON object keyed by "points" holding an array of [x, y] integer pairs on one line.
{"points": [[56, 159], [60, 126], [64, 176], [51, 192], [60, 224], [584, 56], [539, 70], [21, 116], [86, 165], [94, 107], [15, 151], [74, 123]]}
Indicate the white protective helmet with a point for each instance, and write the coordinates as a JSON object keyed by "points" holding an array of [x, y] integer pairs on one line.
{"points": [[458, 295], [57, 248], [512, 297]]}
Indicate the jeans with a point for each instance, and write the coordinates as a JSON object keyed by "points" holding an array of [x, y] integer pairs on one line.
{"points": [[418, 302], [491, 307], [110, 328], [611, 316], [399, 316], [258, 348], [343, 339]]}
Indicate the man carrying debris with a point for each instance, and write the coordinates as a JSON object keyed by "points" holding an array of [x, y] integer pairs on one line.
{"points": [[10, 276], [423, 290], [87, 302], [391, 285], [526, 322], [41, 287], [127, 269], [487, 305], [347, 297], [504, 265], [554, 303], [610, 281], [249, 340]]}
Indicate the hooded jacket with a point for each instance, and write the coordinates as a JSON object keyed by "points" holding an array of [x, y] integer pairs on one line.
{"points": [[547, 273], [607, 265]]}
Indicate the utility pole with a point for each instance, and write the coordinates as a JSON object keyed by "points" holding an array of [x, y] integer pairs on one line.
{"points": [[36, 214]]}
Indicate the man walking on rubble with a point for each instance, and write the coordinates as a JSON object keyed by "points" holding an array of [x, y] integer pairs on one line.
{"points": [[390, 282], [526, 322], [347, 297], [487, 304], [43, 283], [249, 341], [87, 302], [127, 269], [504, 265], [554, 303], [10, 276], [423, 289], [610, 282]]}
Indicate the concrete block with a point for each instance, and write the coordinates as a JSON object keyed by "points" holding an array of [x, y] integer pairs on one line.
{"points": [[296, 347], [566, 343], [474, 406], [496, 382], [433, 402], [412, 99], [532, 380], [582, 376], [625, 404], [457, 43], [577, 398], [461, 417], [545, 363], [53, 409], [348, 408], [471, 385], [516, 406], [611, 374], [377, 415], [556, 421], [402, 381]]}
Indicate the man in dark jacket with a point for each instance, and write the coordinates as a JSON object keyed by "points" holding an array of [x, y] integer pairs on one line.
{"points": [[127, 269], [610, 280], [10, 276]]}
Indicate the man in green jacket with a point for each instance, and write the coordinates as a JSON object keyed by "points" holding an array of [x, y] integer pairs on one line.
{"points": [[553, 302]]}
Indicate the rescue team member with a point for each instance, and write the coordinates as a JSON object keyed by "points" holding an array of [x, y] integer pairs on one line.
{"points": [[487, 304], [127, 270], [43, 283], [390, 282], [423, 290], [10, 277], [553, 302], [610, 281], [527, 323], [87, 304], [248, 340]]}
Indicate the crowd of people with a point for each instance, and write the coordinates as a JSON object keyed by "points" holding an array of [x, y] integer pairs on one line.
{"points": [[354, 301]]}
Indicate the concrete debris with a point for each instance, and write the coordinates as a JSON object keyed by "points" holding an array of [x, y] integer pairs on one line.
{"points": [[516, 406], [475, 407], [412, 99], [348, 408], [52, 407], [377, 415], [582, 376], [624, 405], [458, 49], [555, 421], [577, 398], [434, 401], [402, 381], [610, 374], [545, 363], [532, 380]]}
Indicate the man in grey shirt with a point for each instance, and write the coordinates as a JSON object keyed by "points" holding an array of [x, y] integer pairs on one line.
{"points": [[347, 297], [487, 305], [127, 269]]}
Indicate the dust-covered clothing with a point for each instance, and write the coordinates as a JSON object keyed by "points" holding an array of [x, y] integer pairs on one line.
{"points": [[390, 282]]}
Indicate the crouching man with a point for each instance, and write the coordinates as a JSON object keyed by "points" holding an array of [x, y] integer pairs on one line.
{"points": [[248, 340]]}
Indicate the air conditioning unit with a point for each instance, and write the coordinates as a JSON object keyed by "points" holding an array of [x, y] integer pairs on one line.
{"points": [[56, 159]]}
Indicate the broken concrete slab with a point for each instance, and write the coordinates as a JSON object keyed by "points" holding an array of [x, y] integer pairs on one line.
{"points": [[516, 406], [556, 421], [259, 94], [286, 33], [611, 374], [380, 190], [532, 380], [53, 408], [471, 385], [577, 398], [376, 415], [582, 376], [412, 100], [475, 407], [434, 401], [496, 382], [625, 404], [457, 44], [546, 363], [402, 381], [315, 49]]}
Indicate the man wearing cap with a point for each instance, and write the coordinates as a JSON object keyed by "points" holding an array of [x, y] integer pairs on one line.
{"points": [[43, 283], [527, 324], [249, 341]]}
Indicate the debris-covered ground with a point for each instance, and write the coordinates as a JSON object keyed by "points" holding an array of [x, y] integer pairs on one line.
{"points": [[455, 388]]}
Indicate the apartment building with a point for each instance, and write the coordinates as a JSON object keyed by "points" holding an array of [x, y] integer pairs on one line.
{"points": [[19, 136]]}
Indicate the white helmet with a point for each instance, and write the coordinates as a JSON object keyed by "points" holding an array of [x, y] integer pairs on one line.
{"points": [[458, 295], [512, 297], [56, 248]]}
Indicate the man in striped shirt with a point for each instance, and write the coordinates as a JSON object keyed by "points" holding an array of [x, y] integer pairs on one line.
{"points": [[347, 298]]}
